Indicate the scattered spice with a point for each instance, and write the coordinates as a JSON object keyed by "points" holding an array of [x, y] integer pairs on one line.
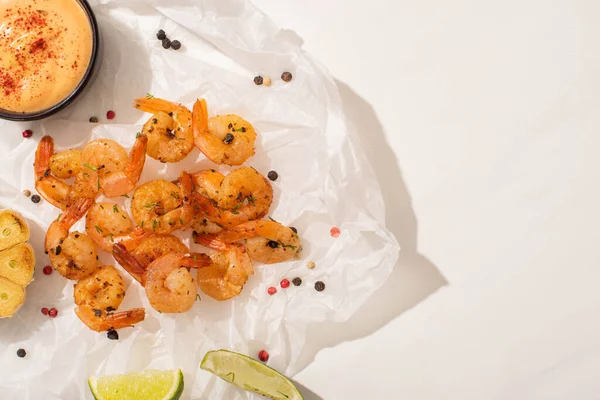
{"points": [[266, 81], [319, 286], [110, 114], [94, 120], [53, 313], [47, 270], [273, 244], [228, 138], [175, 44], [297, 281], [112, 335], [272, 175], [258, 80], [334, 232], [284, 283], [286, 76], [35, 198], [294, 229], [27, 133], [161, 35], [27, 193], [44, 310], [166, 43], [263, 356], [21, 353], [272, 290], [311, 265]]}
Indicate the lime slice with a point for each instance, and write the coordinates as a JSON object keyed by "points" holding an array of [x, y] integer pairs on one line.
{"points": [[249, 374], [147, 385]]}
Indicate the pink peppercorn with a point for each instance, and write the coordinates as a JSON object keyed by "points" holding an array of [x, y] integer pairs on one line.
{"points": [[272, 290], [263, 356], [27, 133], [47, 270], [284, 283], [335, 232], [110, 114], [53, 313], [44, 311]]}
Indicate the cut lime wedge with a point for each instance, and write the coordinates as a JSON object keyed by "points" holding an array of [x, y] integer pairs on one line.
{"points": [[249, 374], [147, 385]]}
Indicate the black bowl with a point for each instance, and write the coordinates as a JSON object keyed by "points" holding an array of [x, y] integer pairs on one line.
{"points": [[87, 78]]}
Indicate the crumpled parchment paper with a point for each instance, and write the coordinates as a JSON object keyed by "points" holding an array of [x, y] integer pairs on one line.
{"points": [[324, 181]]}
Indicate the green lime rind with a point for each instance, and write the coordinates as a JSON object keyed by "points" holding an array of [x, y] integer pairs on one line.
{"points": [[147, 385], [250, 374]]}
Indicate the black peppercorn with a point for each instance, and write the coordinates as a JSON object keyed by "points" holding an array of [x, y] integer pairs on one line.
{"points": [[272, 175], [273, 244], [297, 281], [286, 76], [228, 138], [161, 35], [175, 44], [94, 120], [294, 229], [35, 198], [112, 335], [258, 80], [166, 43], [319, 286], [21, 353]]}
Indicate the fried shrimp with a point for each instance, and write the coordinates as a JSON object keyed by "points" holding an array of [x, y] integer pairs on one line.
{"points": [[50, 169], [229, 272], [224, 139], [169, 286], [117, 172], [243, 195], [107, 224], [98, 297], [160, 206], [266, 241], [73, 255], [169, 130]]}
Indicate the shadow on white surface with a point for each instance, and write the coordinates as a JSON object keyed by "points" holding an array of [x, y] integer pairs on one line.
{"points": [[414, 278], [307, 393]]}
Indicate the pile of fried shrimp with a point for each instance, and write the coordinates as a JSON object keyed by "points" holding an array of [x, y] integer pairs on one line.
{"points": [[224, 213]]}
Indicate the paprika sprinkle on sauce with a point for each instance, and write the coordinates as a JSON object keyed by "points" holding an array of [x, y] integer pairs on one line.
{"points": [[45, 49]]}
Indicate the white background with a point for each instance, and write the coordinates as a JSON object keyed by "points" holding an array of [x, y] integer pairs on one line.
{"points": [[481, 120]]}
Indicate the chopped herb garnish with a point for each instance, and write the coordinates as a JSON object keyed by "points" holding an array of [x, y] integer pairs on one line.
{"points": [[142, 225], [251, 199], [149, 96], [111, 237], [272, 219], [137, 135], [153, 224], [198, 298], [150, 205], [124, 195], [90, 167], [181, 220], [86, 174], [115, 209], [97, 228]]}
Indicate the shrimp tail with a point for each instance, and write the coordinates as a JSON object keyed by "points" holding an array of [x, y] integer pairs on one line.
{"points": [[210, 241], [137, 159], [202, 137], [44, 152], [137, 235], [153, 105], [123, 319], [99, 321], [129, 262], [196, 260], [75, 212]]}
